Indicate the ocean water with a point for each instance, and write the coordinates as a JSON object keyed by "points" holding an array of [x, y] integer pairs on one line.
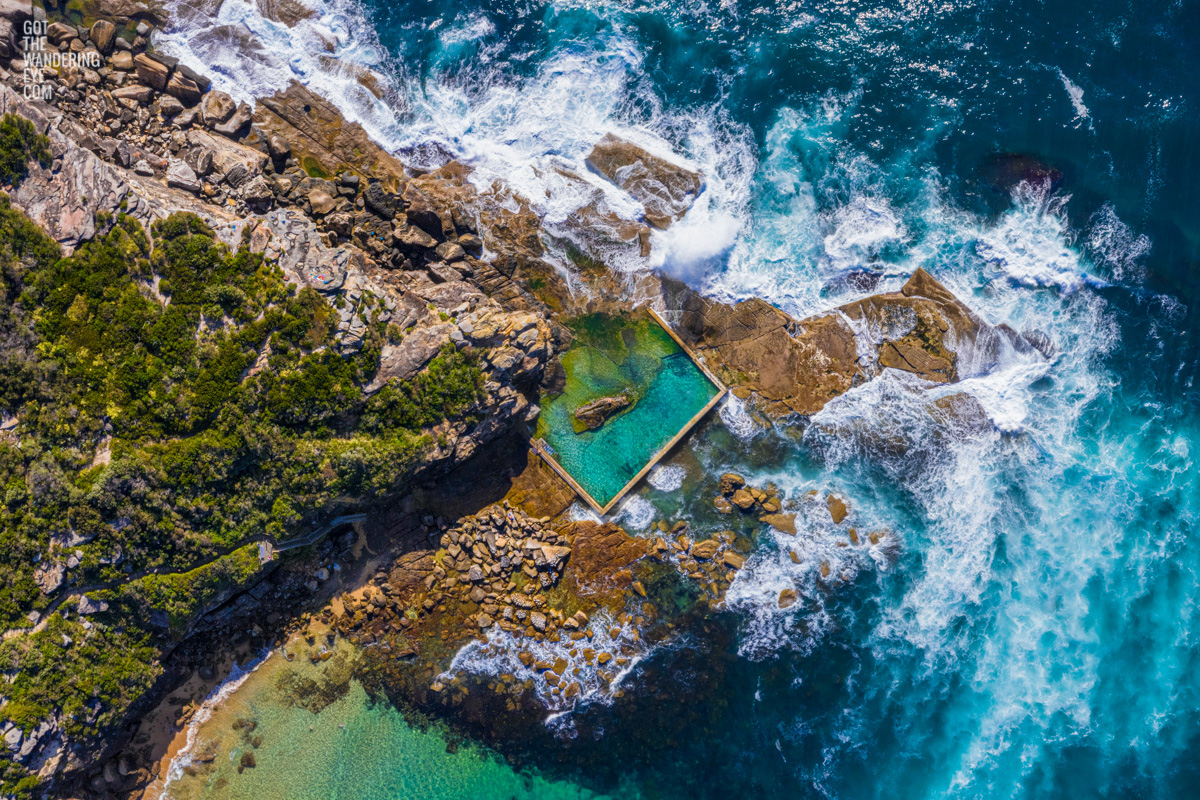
{"points": [[1029, 626]]}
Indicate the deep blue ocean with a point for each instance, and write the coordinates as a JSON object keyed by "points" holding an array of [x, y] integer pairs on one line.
{"points": [[1037, 632]]}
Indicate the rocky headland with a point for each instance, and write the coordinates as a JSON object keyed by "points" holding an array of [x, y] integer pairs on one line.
{"points": [[419, 275]]}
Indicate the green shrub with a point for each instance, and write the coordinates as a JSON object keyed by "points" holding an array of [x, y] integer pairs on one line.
{"points": [[20, 143]]}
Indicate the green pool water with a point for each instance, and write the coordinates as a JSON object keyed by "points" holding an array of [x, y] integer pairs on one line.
{"points": [[612, 355]]}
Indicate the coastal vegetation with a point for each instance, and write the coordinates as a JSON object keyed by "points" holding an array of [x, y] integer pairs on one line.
{"points": [[167, 399], [20, 144]]}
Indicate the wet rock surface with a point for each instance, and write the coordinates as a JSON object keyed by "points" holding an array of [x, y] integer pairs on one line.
{"points": [[797, 366], [594, 414], [665, 189]]}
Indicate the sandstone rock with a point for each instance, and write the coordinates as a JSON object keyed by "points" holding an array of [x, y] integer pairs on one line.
{"points": [[837, 508], [49, 577], [217, 107], [103, 33], [140, 95], [731, 482], [122, 60], [412, 237], [59, 32], [321, 201], [277, 146], [743, 499], [9, 38], [257, 192], [594, 414], [665, 189], [181, 176], [237, 175], [732, 560], [319, 133], [151, 71], [441, 272], [723, 505], [169, 106], [780, 522], [706, 550], [184, 89], [450, 251], [87, 605], [404, 360], [798, 370], [238, 122], [788, 598]]}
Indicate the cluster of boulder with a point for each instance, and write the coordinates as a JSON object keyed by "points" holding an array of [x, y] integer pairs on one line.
{"points": [[492, 567]]}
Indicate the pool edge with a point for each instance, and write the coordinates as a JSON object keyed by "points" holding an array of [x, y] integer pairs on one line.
{"points": [[542, 449]]}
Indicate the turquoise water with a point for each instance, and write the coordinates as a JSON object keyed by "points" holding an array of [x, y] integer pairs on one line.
{"points": [[1035, 633], [345, 749], [670, 390]]}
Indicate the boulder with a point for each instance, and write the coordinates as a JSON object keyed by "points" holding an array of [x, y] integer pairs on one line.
{"points": [[239, 121], [169, 106], [780, 522], [185, 89], [257, 192], [743, 499], [706, 550], [411, 236], [665, 189], [217, 107], [450, 251], [59, 32], [594, 414], [152, 72], [122, 60], [321, 201], [103, 34], [788, 598], [134, 93], [732, 560], [181, 176], [731, 482], [89, 606], [379, 200], [837, 508]]}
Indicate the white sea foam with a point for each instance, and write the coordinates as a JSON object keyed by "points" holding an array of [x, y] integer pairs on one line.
{"points": [[737, 418], [499, 652], [635, 513], [184, 758], [1076, 95], [666, 477], [1032, 243], [530, 133]]}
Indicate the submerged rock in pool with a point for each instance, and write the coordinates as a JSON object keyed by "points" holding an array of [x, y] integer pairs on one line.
{"points": [[594, 414]]}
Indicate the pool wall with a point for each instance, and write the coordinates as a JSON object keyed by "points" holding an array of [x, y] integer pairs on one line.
{"points": [[541, 449]]}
